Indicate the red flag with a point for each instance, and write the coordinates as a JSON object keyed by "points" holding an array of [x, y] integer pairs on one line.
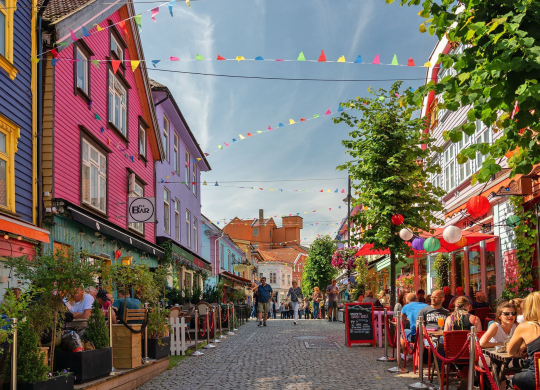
{"points": [[322, 57], [220, 58], [249, 135], [54, 53], [302, 119], [123, 26], [411, 62], [115, 64]]}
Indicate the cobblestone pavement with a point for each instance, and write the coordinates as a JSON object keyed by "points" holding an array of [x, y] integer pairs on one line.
{"points": [[272, 358]]}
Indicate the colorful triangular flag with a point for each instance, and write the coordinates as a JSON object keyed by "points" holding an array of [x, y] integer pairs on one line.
{"points": [[301, 57], [137, 19], [328, 112], [216, 185], [154, 11], [123, 26], [249, 135], [233, 140], [316, 116], [220, 58], [96, 116], [302, 119], [291, 122], [376, 60], [174, 59], [85, 32], [410, 62], [53, 62], [171, 4], [270, 127], [341, 59], [394, 60], [241, 136], [95, 63], [73, 37], [98, 27], [259, 132], [115, 64], [259, 58], [220, 147], [199, 57], [240, 58], [135, 64], [340, 108], [155, 62], [281, 125], [54, 53], [427, 64], [358, 60], [322, 57], [205, 183]]}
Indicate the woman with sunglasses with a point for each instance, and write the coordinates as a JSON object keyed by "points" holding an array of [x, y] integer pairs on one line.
{"points": [[502, 329]]}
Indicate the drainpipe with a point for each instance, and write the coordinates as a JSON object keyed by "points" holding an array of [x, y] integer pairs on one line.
{"points": [[40, 113]]}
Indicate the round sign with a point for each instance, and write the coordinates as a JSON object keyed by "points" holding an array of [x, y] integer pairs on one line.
{"points": [[141, 210]]}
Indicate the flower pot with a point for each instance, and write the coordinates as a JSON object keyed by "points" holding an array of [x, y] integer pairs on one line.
{"points": [[55, 383], [86, 365], [159, 348]]}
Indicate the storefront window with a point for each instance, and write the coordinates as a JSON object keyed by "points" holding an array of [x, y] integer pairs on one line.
{"points": [[458, 260], [475, 269], [490, 276]]}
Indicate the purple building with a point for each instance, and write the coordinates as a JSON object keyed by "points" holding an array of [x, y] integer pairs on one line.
{"points": [[178, 192]]}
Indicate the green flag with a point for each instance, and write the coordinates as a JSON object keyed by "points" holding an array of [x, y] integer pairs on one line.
{"points": [[301, 57], [137, 19], [316, 116], [97, 116], [199, 57], [95, 63], [394, 60]]}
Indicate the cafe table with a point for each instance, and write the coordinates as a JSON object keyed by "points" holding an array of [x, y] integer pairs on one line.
{"points": [[500, 363], [435, 336]]}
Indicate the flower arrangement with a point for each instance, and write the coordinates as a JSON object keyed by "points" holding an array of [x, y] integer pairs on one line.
{"points": [[345, 259], [406, 282]]}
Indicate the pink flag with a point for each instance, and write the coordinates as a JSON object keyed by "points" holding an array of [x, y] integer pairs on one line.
{"points": [[342, 191], [376, 60], [73, 37], [226, 144], [328, 112], [155, 11], [175, 59], [270, 127]]}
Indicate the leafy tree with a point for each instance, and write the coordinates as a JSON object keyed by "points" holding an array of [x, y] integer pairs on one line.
{"points": [[388, 178], [96, 332], [497, 72], [318, 270]]}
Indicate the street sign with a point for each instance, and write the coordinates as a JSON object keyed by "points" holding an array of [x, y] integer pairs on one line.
{"points": [[141, 210]]}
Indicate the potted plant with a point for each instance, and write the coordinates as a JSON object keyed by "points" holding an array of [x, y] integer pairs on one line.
{"points": [[159, 341], [94, 363], [32, 372]]}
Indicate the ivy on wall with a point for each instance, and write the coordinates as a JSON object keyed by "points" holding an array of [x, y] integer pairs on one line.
{"points": [[442, 267]]}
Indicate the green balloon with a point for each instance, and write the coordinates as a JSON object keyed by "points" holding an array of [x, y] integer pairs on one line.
{"points": [[432, 244], [512, 221]]}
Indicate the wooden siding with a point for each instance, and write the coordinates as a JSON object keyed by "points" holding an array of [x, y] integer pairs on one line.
{"points": [[48, 134], [70, 111], [16, 105]]}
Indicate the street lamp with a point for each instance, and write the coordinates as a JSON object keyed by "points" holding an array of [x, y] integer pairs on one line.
{"points": [[348, 201]]}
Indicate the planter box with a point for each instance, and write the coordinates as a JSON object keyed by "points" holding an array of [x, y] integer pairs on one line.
{"points": [[126, 347], [157, 351], [55, 383], [87, 365]]}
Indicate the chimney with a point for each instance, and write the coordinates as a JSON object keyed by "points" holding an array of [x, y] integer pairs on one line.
{"points": [[261, 216]]}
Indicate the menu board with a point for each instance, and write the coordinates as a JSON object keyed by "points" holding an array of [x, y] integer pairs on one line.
{"points": [[359, 320]]}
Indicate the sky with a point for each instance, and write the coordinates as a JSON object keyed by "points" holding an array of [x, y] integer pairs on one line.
{"points": [[218, 109]]}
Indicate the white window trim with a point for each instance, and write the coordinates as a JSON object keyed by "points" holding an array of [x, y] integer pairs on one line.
{"points": [[119, 46], [195, 231], [166, 210], [188, 228], [96, 164], [142, 131], [194, 186], [83, 62], [177, 219], [116, 89], [176, 155], [166, 134], [187, 169], [137, 226]]}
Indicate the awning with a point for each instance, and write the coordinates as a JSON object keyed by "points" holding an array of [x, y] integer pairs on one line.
{"points": [[472, 238], [490, 247], [234, 278], [109, 230], [23, 229]]}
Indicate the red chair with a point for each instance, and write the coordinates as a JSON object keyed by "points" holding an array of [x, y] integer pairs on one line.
{"points": [[536, 372], [482, 313], [453, 343]]}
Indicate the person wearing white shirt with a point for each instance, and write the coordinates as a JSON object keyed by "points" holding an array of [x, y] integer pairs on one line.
{"points": [[81, 304]]}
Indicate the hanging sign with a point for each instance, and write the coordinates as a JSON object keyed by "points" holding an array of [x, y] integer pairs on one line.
{"points": [[141, 210], [359, 320]]}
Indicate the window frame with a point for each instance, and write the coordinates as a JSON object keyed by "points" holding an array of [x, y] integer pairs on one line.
{"points": [[84, 49], [449, 166], [6, 59], [176, 153], [177, 230], [195, 237], [194, 181], [12, 134], [166, 210], [115, 35], [132, 225], [117, 79], [166, 136], [459, 146], [187, 173], [255, 232], [188, 228], [103, 152]]}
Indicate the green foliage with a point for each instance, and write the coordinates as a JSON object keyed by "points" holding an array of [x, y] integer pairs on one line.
{"points": [[212, 294], [136, 277], [361, 273], [197, 294], [498, 68], [318, 270], [96, 332], [441, 266], [238, 296], [31, 367], [158, 323]]}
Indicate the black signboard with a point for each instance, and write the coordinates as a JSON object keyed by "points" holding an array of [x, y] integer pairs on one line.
{"points": [[359, 323]]}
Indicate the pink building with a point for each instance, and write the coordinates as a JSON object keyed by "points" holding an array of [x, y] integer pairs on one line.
{"points": [[100, 133]]}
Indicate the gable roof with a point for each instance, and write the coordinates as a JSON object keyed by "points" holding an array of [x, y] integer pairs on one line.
{"points": [[58, 9], [284, 255]]}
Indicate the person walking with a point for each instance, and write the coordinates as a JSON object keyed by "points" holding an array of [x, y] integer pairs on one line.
{"points": [[274, 309], [265, 294], [290, 311], [332, 292], [282, 310], [307, 310], [295, 293], [316, 298]]}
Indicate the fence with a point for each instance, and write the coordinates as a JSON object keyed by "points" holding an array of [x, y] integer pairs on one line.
{"points": [[178, 336]]}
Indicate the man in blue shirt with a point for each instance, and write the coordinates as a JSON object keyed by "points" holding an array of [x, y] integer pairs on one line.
{"points": [[265, 294], [410, 312]]}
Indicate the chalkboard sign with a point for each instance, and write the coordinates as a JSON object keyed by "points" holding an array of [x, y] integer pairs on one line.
{"points": [[359, 322]]}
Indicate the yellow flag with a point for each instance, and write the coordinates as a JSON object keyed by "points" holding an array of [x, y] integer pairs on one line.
{"points": [[134, 65], [328, 191], [187, 2], [291, 122], [204, 183], [271, 189], [341, 59], [240, 58], [35, 59], [199, 159], [98, 27], [427, 64], [241, 136]]}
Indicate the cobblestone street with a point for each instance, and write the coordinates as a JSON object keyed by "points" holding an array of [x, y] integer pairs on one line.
{"points": [[274, 358]]}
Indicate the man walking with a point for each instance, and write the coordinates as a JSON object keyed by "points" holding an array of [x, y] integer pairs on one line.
{"points": [[332, 292], [265, 294]]}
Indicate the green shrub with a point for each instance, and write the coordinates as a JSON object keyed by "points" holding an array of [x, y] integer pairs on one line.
{"points": [[96, 332]]}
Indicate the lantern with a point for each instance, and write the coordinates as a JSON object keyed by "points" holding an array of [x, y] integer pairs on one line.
{"points": [[461, 243], [397, 219], [405, 234], [477, 206], [432, 244], [452, 234], [512, 221], [418, 244]]}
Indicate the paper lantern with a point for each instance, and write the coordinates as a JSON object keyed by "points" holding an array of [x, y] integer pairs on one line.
{"points": [[461, 243], [477, 206], [512, 221], [405, 234], [452, 234], [418, 244], [397, 219], [432, 244]]}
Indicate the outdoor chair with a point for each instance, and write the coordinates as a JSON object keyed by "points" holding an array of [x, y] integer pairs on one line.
{"points": [[536, 372], [453, 342], [134, 316], [482, 313]]}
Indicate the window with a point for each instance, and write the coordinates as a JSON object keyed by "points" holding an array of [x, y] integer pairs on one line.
{"points": [[195, 238], [117, 104], [138, 191], [194, 186], [256, 231], [188, 229], [449, 167], [272, 277], [94, 176], [221, 257], [142, 141], [177, 220], [176, 156], [261, 275], [482, 136], [9, 134], [187, 168], [7, 9], [166, 210], [117, 49], [229, 260], [82, 71], [166, 129], [465, 169], [435, 178]]}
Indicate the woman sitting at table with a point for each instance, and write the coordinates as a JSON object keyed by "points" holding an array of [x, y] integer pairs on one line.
{"points": [[528, 333], [461, 319], [503, 327], [481, 300]]}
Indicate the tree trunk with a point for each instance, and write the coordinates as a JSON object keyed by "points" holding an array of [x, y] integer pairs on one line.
{"points": [[392, 280], [53, 339]]}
